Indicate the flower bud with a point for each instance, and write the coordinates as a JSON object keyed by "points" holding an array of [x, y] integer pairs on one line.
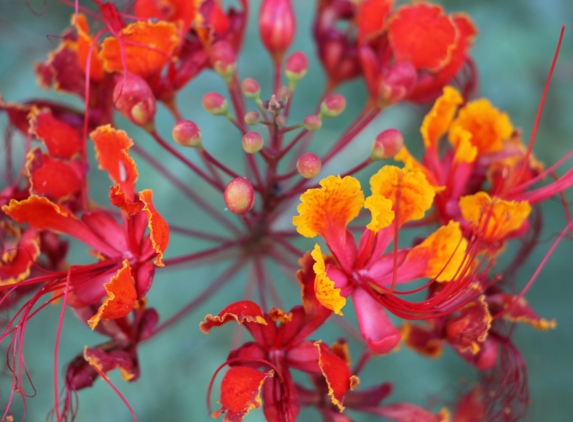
{"points": [[251, 118], [283, 93], [252, 142], [308, 165], [186, 133], [312, 122], [281, 120], [296, 67], [250, 88], [239, 195], [332, 105], [134, 99], [223, 60], [215, 103], [387, 144], [397, 83], [277, 27]]}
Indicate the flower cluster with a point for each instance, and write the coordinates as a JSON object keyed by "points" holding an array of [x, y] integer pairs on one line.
{"points": [[419, 257]]}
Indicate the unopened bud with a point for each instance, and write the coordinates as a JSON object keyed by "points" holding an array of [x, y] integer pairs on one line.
{"points": [[283, 93], [250, 88], [312, 122], [308, 165], [252, 142], [281, 120], [134, 99], [332, 105], [251, 117], [397, 84], [296, 67], [239, 195], [186, 133], [223, 60], [387, 144], [215, 103], [277, 27]]}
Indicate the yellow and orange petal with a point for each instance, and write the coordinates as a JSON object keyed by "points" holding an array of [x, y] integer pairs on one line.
{"points": [[84, 43], [330, 207], [409, 190], [240, 392], [445, 251], [158, 227], [382, 213], [121, 296], [488, 126], [423, 35], [493, 218], [465, 151], [439, 118], [324, 288], [146, 47]]}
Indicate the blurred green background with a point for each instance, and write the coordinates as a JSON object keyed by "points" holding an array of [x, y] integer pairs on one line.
{"points": [[513, 52]]}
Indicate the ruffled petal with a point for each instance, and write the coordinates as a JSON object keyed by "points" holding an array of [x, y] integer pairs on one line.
{"points": [[329, 208], [408, 189], [438, 119], [493, 218], [324, 288], [158, 227], [423, 35], [488, 126], [242, 312], [146, 47], [337, 374], [121, 296], [240, 392]]}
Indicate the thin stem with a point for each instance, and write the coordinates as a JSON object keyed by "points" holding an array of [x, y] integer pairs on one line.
{"points": [[185, 161], [190, 193], [183, 259], [199, 299]]}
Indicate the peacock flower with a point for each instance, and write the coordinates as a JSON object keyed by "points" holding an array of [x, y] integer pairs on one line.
{"points": [[365, 271]]}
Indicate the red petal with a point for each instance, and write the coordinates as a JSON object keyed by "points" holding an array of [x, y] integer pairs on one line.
{"points": [[469, 330], [375, 326], [62, 70], [51, 177], [422, 340], [519, 311], [423, 36], [240, 392], [372, 16], [42, 214], [121, 296], [15, 263], [143, 50], [118, 198], [158, 227], [84, 43], [106, 362], [112, 148], [61, 139], [336, 373], [242, 312], [406, 412]]}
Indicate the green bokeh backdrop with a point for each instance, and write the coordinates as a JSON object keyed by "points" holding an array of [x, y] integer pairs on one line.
{"points": [[513, 52]]}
